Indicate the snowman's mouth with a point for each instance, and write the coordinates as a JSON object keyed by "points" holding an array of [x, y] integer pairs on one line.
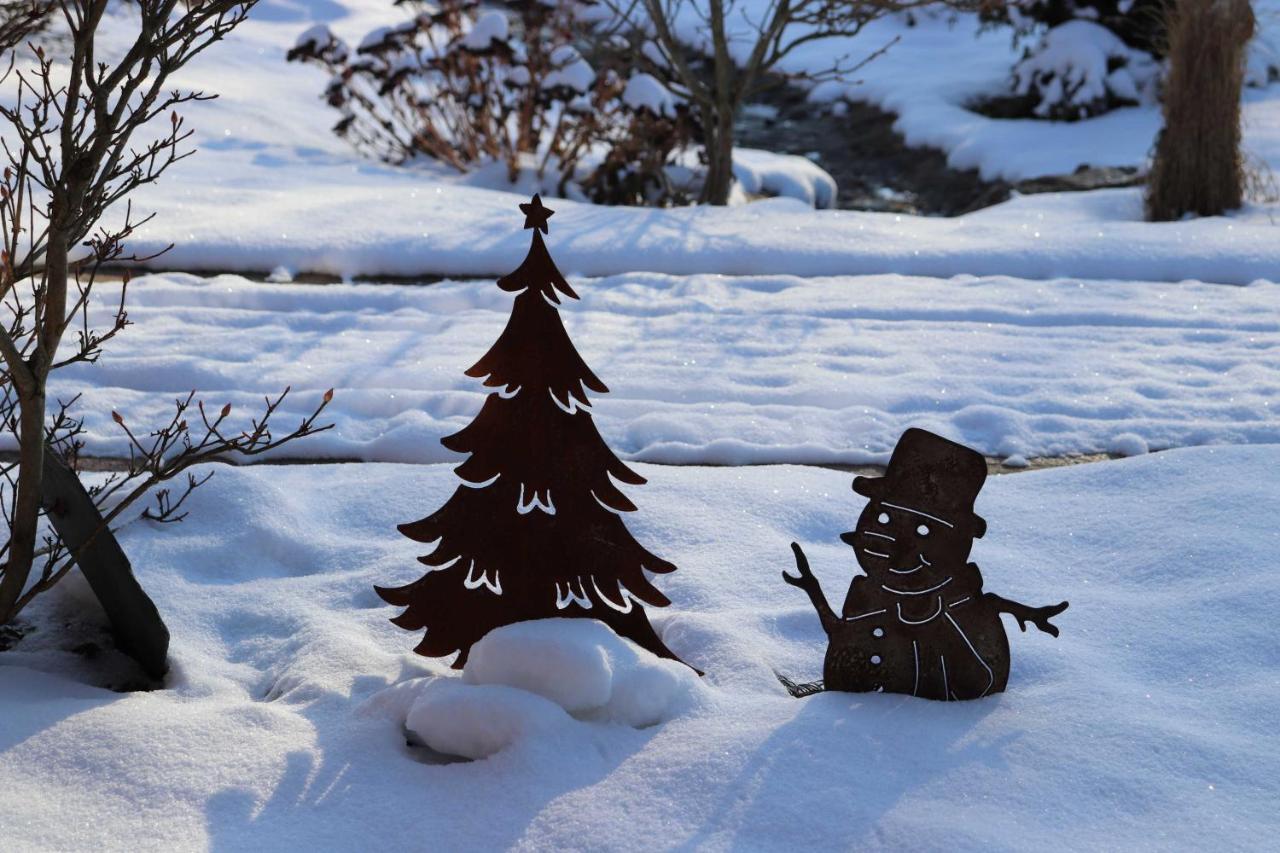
{"points": [[923, 562]]}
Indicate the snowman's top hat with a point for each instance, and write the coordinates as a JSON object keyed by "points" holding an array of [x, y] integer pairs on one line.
{"points": [[934, 476]]}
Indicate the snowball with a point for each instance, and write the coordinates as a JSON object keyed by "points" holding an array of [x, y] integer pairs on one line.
{"points": [[477, 721], [585, 668], [643, 91], [488, 28], [1129, 444], [571, 71]]}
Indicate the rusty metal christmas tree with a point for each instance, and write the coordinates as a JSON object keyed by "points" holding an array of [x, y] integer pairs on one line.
{"points": [[535, 530]]}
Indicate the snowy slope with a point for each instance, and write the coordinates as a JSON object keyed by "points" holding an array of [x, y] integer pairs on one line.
{"points": [[272, 186], [710, 369], [1146, 725], [935, 69]]}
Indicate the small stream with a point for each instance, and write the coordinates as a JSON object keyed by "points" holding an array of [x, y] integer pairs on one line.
{"points": [[874, 167]]}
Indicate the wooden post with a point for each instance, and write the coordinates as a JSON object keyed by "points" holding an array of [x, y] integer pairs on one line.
{"points": [[135, 622]]}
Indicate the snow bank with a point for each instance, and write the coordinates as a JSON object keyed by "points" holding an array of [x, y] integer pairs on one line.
{"points": [[1145, 725], [713, 369], [272, 186]]}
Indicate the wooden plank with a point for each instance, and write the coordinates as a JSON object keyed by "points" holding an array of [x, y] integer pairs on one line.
{"points": [[139, 631]]}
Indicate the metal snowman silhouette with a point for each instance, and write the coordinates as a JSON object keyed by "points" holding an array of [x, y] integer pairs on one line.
{"points": [[918, 622]]}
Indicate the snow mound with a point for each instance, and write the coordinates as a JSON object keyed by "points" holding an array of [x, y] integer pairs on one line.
{"points": [[477, 721], [585, 668], [532, 679], [786, 175]]}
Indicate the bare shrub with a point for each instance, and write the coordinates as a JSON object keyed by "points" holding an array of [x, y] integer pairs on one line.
{"points": [[1197, 167], [22, 19], [743, 46], [536, 88], [86, 129]]}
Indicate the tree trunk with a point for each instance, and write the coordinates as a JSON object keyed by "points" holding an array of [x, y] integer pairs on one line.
{"points": [[31, 416], [26, 509], [1198, 167], [719, 159]]}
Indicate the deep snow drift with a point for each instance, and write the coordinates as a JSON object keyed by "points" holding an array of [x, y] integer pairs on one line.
{"points": [[1146, 725], [711, 369]]}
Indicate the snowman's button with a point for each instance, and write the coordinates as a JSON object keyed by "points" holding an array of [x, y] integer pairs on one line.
{"points": [[875, 659], [878, 632]]}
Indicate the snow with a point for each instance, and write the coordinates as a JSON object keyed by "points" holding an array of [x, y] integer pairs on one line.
{"points": [[548, 677], [785, 175], [1073, 68], [584, 668], [570, 70], [416, 228], [478, 721], [272, 186], [934, 69], [715, 369], [1145, 725], [295, 715], [643, 91], [316, 36], [491, 26]]}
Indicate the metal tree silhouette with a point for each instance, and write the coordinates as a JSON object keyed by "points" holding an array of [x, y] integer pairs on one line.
{"points": [[535, 529]]}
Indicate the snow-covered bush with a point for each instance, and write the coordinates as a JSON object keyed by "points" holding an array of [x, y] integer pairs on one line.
{"points": [[1138, 23], [1086, 57], [1082, 69], [467, 86]]}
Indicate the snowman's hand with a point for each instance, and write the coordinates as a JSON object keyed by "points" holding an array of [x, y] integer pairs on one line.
{"points": [[806, 578], [1038, 616], [1042, 615], [807, 582]]}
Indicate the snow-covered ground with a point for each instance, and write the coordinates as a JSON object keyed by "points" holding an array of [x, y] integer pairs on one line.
{"points": [[272, 186], [714, 369], [760, 333], [1148, 724]]}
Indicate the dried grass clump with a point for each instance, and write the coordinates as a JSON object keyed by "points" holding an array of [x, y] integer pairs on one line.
{"points": [[1198, 167]]}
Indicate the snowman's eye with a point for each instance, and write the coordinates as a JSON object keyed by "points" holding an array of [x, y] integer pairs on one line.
{"points": [[884, 518], [923, 530]]}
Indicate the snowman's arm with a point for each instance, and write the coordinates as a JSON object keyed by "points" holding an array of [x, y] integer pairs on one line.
{"points": [[1038, 616], [807, 582]]}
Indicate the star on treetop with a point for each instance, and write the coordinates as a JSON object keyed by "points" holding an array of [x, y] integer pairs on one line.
{"points": [[535, 215]]}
